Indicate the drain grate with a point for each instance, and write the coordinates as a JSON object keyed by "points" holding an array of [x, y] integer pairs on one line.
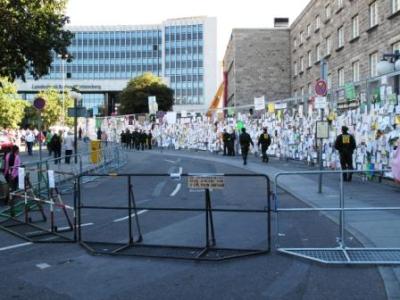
{"points": [[346, 255]]}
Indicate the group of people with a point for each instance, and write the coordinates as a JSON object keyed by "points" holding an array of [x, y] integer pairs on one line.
{"points": [[137, 139]]}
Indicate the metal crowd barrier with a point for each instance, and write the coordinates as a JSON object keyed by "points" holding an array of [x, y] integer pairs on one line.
{"points": [[37, 219], [342, 254], [136, 246]]}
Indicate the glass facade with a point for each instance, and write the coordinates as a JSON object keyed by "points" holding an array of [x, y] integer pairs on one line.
{"points": [[184, 62], [120, 54], [110, 55]]}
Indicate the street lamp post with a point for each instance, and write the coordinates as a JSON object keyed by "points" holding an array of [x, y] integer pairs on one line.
{"points": [[77, 96], [63, 59]]}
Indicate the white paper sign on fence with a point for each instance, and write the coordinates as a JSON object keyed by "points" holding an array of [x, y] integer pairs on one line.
{"points": [[320, 102], [52, 183], [171, 117], [259, 103], [21, 178]]}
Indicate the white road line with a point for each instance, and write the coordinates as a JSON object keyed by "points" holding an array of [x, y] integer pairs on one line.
{"points": [[178, 187], [82, 225], [15, 246], [43, 266], [180, 170], [170, 161], [133, 215]]}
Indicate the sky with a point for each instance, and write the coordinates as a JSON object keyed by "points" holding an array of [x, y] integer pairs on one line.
{"points": [[230, 14]]}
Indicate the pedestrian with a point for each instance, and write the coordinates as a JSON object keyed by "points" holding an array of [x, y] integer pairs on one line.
{"points": [[346, 144], [136, 139], [225, 141], [80, 133], [49, 135], [104, 138], [231, 143], [245, 141], [122, 138], [149, 140], [395, 164], [56, 147], [29, 140], [264, 141], [142, 139], [99, 133], [12, 162], [68, 144]]}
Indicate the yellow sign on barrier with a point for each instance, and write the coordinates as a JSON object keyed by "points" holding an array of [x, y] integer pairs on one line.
{"points": [[206, 182]]}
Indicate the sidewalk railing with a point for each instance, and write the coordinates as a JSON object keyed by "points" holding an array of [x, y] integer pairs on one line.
{"points": [[341, 254]]}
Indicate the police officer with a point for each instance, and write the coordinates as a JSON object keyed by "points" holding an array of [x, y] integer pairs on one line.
{"points": [[245, 141], [136, 139], [225, 140], [346, 144], [231, 143], [265, 141]]}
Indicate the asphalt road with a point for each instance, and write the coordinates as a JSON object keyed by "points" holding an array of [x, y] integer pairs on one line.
{"points": [[67, 271]]}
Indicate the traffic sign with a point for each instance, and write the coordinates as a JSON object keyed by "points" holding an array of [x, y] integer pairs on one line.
{"points": [[320, 102], [39, 103], [321, 88]]}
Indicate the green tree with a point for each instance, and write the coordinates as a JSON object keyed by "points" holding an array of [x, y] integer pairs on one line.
{"points": [[11, 105], [52, 113], [134, 98], [30, 31]]}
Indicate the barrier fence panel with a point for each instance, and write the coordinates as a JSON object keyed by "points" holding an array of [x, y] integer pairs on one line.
{"points": [[345, 224], [185, 216], [35, 218]]}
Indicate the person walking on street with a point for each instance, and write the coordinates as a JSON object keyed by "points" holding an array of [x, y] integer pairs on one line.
{"points": [[149, 140], [225, 141], [12, 162], [68, 147], [56, 147], [80, 133], [346, 144], [29, 140], [264, 141], [245, 141], [98, 133], [49, 135]]}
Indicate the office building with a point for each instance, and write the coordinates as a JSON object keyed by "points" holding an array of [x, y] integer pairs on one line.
{"points": [[181, 51]]}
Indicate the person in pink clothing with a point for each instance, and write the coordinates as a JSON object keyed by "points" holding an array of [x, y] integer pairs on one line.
{"points": [[396, 164], [12, 162]]}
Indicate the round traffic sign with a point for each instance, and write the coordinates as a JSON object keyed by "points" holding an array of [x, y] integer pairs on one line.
{"points": [[39, 103], [321, 88]]}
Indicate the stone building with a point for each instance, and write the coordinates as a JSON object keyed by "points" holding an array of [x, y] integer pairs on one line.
{"points": [[257, 63], [349, 36]]}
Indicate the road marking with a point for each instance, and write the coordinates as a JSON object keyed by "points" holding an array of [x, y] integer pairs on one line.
{"points": [[82, 225], [158, 188], [43, 266], [133, 215], [15, 246], [180, 170], [170, 161], [178, 187]]}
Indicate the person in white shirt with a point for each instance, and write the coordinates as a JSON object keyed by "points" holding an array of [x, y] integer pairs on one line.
{"points": [[69, 147], [29, 140]]}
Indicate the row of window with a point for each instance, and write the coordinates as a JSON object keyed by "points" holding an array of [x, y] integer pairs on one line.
{"points": [[112, 55], [104, 68], [184, 28], [355, 27], [184, 64], [355, 71], [117, 42], [186, 78], [185, 50], [183, 36]]}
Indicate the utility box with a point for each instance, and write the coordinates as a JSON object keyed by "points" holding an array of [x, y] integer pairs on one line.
{"points": [[95, 151]]}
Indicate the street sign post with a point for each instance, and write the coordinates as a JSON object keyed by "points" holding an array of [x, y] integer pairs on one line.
{"points": [[321, 88]]}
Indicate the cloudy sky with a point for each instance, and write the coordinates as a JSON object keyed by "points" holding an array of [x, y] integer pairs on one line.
{"points": [[230, 14]]}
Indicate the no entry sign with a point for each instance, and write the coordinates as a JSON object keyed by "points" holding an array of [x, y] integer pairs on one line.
{"points": [[321, 88], [39, 103]]}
